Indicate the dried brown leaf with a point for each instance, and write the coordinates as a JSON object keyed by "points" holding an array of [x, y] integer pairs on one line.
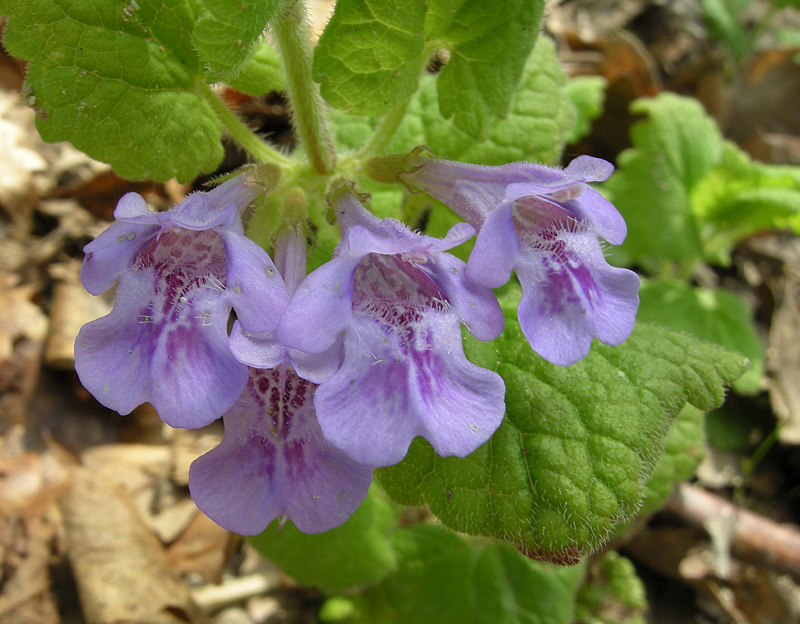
{"points": [[22, 330], [121, 569]]}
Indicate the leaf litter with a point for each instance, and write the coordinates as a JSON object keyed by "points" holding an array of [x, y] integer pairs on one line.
{"points": [[96, 524]]}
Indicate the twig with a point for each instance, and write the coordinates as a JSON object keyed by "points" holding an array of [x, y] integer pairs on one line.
{"points": [[213, 597], [755, 538]]}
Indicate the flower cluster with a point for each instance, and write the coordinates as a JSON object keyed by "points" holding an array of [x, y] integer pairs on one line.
{"points": [[323, 377]]}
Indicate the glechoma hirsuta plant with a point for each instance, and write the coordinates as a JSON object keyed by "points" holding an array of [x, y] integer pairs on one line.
{"points": [[532, 435]]}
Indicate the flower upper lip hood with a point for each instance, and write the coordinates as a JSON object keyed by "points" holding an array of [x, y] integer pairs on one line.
{"points": [[179, 273], [544, 224], [394, 301], [474, 191]]}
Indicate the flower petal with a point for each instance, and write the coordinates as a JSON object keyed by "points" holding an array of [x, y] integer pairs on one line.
{"points": [[475, 306], [132, 208], [290, 257], [590, 169], [180, 364], [111, 253], [321, 307], [592, 207], [496, 250], [259, 350], [273, 461], [564, 305], [254, 287], [195, 378], [112, 358], [387, 393]]}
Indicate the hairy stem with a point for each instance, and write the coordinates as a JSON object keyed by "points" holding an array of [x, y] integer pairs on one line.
{"points": [[240, 132], [308, 110], [385, 131]]}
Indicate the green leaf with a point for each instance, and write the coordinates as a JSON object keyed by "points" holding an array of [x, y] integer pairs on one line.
{"points": [[119, 82], [370, 55], [443, 579], [355, 553], [715, 315], [535, 128], [227, 31], [789, 37], [587, 94], [740, 197], [350, 131], [612, 593], [673, 149], [685, 193], [723, 20], [262, 73], [488, 45], [684, 449], [569, 463]]}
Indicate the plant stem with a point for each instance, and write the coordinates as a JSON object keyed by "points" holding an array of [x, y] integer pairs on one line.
{"points": [[240, 132], [308, 110], [385, 131]]}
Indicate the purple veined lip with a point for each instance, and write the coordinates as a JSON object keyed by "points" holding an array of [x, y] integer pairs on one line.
{"points": [[179, 274], [274, 461], [395, 301], [547, 226]]}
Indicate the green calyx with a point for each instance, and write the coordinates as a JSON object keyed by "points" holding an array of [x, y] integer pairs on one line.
{"points": [[389, 169]]}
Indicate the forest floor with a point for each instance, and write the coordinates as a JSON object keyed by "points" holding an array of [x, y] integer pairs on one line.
{"points": [[96, 523]]}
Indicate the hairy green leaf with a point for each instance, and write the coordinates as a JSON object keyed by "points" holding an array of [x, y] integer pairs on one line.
{"points": [[684, 449], [370, 55], [570, 461], [443, 579], [262, 73], [227, 31], [740, 197], [673, 148], [612, 593], [535, 129], [488, 45], [119, 82], [685, 193], [355, 553], [714, 315], [586, 94]]}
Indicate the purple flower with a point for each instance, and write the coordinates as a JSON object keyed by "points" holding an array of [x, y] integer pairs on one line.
{"points": [[273, 461], [178, 275], [262, 349], [392, 302], [545, 224]]}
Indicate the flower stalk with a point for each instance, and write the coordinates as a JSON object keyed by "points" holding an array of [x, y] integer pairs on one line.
{"points": [[239, 131], [308, 110], [387, 128]]}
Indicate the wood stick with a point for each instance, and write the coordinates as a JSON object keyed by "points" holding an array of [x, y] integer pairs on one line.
{"points": [[755, 538]]}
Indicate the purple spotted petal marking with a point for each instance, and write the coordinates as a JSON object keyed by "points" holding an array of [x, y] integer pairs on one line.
{"points": [[179, 274], [398, 299], [546, 225], [274, 461]]}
